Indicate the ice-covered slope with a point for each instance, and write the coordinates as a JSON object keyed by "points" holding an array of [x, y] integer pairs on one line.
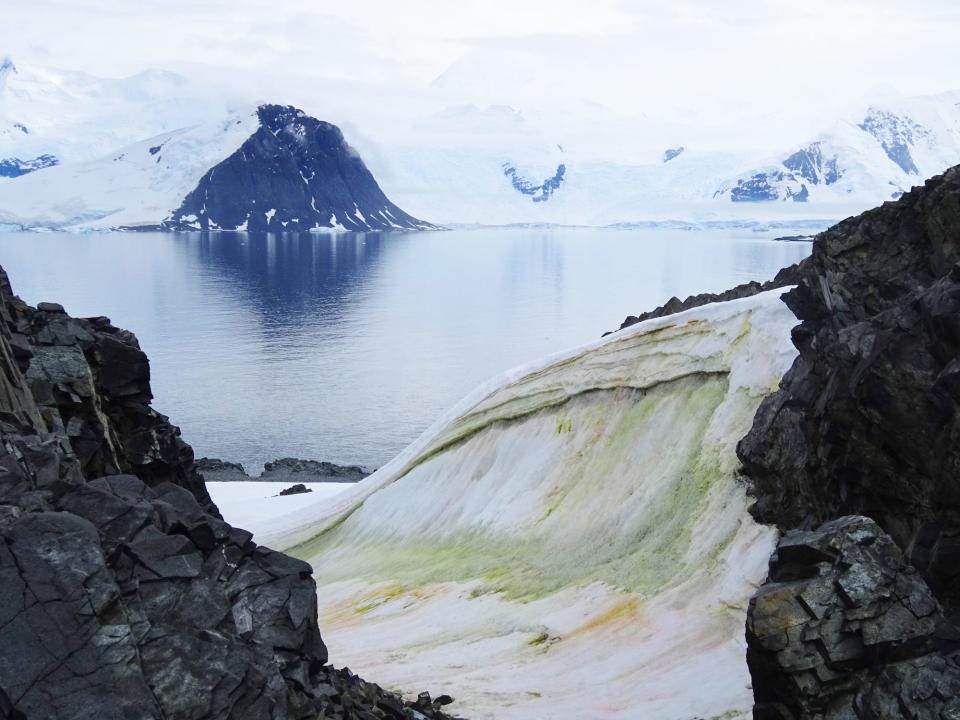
{"points": [[571, 541], [139, 185], [72, 116], [870, 153]]}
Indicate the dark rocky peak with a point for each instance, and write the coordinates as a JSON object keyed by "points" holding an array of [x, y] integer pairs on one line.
{"points": [[810, 164], [537, 192], [771, 185], [294, 174], [896, 134], [867, 420]]}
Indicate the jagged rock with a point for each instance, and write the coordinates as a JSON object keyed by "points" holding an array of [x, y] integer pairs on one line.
{"points": [[123, 594], [846, 628], [787, 276], [282, 470], [288, 469], [297, 489], [867, 421], [216, 470]]}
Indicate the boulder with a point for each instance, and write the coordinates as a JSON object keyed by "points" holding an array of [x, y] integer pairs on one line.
{"points": [[846, 628]]}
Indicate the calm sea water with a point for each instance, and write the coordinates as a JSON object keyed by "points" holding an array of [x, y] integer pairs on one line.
{"points": [[346, 347]]}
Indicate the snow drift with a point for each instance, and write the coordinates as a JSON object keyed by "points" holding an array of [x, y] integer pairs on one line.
{"points": [[572, 539]]}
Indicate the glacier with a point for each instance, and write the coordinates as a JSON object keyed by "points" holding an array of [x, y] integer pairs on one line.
{"points": [[572, 539]]}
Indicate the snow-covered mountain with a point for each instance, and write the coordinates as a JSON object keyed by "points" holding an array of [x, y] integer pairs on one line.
{"points": [[875, 153], [209, 165], [78, 152]]}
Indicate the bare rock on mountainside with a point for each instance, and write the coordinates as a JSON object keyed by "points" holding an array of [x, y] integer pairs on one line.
{"points": [[123, 593]]}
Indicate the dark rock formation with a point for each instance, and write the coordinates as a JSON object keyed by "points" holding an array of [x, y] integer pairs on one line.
{"points": [[295, 173], [896, 135], [538, 192], [867, 421], [282, 470], [670, 153], [297, 489], [765, 186], [859, 618], [812, 166], [288, 469], [789, 180], [846, 628], [123, 594], [216, 470], [787, 276]]}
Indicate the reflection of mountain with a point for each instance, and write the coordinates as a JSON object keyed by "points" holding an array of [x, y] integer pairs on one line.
{"points": [[286, 279]]}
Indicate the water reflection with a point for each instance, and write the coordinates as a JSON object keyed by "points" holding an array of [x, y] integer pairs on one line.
{"points": [[345, 347]]}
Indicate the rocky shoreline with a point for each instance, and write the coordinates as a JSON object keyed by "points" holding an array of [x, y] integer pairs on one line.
{"points": [[283, 470]]}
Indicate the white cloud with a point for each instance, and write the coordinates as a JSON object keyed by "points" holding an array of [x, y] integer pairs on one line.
{"points": [[777, 62]]}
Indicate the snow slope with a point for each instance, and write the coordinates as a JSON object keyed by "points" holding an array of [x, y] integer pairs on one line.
{"points": [[75, 117], [139, 184], [571, 540], [256, 506]]}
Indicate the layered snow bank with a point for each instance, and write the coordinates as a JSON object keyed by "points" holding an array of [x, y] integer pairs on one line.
{"points": [[571, 540]]}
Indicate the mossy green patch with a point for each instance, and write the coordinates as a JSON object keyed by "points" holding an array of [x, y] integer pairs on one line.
{"points": [[602, 521]]}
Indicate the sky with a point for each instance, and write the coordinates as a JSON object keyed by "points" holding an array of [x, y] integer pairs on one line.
{"points": [[710, 62]]}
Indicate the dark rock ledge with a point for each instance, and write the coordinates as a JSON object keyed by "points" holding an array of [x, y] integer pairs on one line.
{"points": [[123, 593]]}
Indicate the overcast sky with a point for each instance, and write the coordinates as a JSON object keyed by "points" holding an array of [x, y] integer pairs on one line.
{"points": [[706, 56]]}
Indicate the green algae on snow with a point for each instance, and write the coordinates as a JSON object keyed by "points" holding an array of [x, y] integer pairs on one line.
{"points": [[604, 515]]}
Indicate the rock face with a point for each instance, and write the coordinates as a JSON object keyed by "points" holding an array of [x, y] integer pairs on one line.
{"points": [[845, 628], [282, 470], [859, 617], [122, 591], [297, 489], [295, 173], [867, 421], [290, 469], [787, 276]]}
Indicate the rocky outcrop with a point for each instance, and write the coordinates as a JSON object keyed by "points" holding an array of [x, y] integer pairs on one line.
{"points": [[282, 470], [217, 470], [294, 174], [297, 489], [859, 617], [867, 421], [787, 276], [846, 628], [294, 469], [122, 592]]}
